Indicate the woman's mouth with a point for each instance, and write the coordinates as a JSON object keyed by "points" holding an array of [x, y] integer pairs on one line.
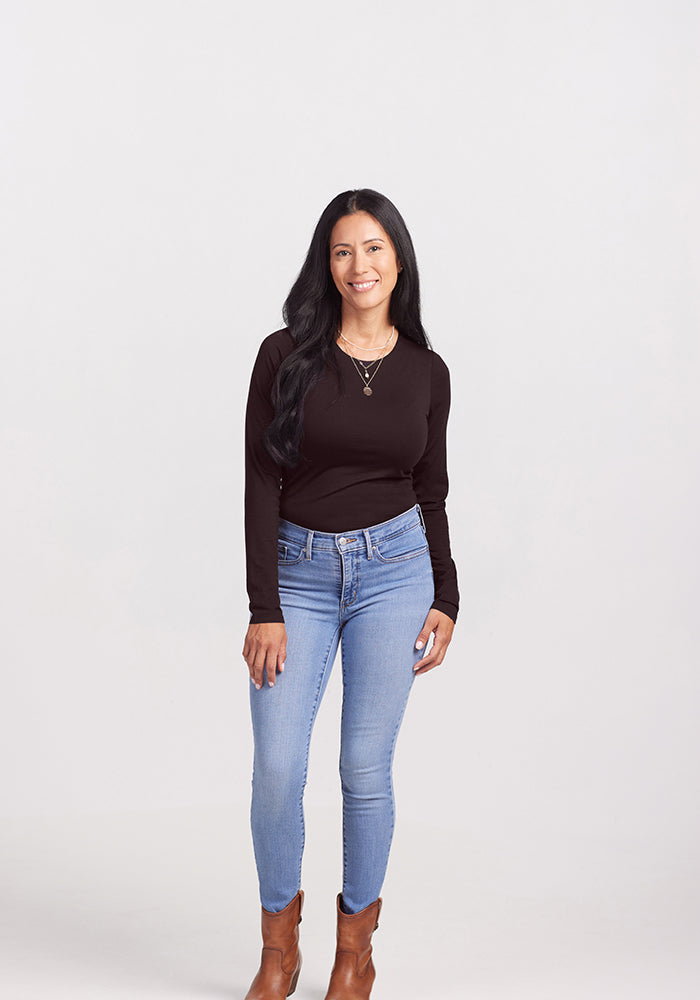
{"points": [[363, 286]]}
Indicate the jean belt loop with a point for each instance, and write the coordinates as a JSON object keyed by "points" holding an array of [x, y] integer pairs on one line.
{"points": [[309, 541], [368, 540], [420, 515]]}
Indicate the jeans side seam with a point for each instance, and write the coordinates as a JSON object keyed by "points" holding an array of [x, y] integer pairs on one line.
{"points": [[390, 776]]}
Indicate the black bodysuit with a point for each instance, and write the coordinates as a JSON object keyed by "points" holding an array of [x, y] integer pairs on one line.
{"points": [[365, 460]]}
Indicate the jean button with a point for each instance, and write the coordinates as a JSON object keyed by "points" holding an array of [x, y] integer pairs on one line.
{"points": [[343, 541]]}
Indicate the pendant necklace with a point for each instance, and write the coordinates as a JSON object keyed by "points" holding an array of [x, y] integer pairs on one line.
{"points": [[365, 364]]}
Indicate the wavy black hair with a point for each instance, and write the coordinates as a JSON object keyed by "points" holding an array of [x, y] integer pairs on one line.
{"points": [[312, 313]]}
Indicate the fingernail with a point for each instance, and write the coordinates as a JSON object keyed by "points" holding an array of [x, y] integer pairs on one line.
{"points": [[257, 685], [419, 644]]}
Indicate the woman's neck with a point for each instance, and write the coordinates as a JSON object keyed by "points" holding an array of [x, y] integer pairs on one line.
{"points": [[368, 332]]}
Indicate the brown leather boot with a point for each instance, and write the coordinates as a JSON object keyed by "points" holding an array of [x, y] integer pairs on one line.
{"points": [[280, 963], [353, 970]]}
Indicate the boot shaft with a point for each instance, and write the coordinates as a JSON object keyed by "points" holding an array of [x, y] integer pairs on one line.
{"points": [[353, 971], [280, 961], [281, 930]]}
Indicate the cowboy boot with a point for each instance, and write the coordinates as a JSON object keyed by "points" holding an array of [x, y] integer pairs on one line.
{"points": [[353, 971], [280, 962]]}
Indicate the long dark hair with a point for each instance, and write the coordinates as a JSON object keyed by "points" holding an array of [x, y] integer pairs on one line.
{"points": [[312, 313]]}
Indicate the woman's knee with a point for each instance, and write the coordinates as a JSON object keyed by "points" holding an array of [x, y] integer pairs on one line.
{"points": [[365, 772], [277, 777]]}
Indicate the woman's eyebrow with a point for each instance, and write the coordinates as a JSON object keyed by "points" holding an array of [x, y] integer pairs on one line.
{"points": [[375, 239]]}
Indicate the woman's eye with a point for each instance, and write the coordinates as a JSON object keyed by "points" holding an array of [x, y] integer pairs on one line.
{"points": [[342, 253]]}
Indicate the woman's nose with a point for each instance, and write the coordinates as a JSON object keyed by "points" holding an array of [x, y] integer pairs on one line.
{"points": [[359, 267]]}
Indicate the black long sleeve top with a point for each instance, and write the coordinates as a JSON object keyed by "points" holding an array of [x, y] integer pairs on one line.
{"points": [[366, 459]]}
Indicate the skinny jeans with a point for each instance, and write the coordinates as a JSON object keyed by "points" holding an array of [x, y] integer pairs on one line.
{"points": [[368, 590]]}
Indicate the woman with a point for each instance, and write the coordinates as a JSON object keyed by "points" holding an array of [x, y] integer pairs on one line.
{"points": [[347, 543]]}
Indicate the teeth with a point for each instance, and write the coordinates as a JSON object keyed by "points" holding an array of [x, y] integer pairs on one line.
{"points": [[362, 285]]}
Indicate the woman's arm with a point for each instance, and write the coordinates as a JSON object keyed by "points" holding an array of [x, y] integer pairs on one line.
{"points": [[431, 484], [262, 490], [265, 642]]}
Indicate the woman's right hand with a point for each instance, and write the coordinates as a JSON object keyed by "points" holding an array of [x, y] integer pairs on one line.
{"points": [[265, 650]]}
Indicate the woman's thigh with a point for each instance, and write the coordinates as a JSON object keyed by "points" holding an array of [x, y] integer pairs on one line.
{"points": [[378, 651], [283, 715]]}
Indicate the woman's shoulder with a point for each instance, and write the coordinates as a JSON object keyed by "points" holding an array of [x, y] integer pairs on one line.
{"points": [[279, 343], [274, 348], [434, 362]]}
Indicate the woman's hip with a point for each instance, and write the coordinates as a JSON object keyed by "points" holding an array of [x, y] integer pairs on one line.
{"points": [[385, 568]]}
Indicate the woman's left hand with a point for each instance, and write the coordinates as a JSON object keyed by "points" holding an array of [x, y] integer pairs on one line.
{"points": [[442, 626]]}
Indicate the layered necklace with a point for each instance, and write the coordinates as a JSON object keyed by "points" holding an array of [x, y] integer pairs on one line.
{"points": [[366, 378]]}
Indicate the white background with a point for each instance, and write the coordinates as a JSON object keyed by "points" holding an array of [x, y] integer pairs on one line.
{"points": [[162, 166]]}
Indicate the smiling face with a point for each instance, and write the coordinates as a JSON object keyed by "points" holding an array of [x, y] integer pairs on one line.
{"points": [[363, 263]]}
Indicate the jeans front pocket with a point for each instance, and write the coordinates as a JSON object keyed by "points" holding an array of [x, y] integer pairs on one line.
{"points": [[289, 553], [406, 544]]}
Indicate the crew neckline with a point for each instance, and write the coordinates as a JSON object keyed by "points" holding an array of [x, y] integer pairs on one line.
{"points": [[350, 357]]}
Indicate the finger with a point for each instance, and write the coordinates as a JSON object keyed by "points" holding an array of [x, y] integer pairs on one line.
{"points": [[424, 660], [271, 668], [432, 659], [426, 652], [423, 636], [428, 665], [257, 668]]}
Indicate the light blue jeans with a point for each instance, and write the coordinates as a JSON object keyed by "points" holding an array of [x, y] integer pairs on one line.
{"points": [[369, 590]]}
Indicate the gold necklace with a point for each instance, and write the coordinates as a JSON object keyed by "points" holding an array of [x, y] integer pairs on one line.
{"points": [[366, 390], [367, 348]]}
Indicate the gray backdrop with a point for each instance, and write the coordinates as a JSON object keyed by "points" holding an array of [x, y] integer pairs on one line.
{"points": [[162, 168]]}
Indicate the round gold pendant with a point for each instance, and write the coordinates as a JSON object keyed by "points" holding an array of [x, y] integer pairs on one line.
{"points": [[367, 391]]}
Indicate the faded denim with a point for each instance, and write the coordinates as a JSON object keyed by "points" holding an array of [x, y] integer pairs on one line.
{"points": [[369, 591]]}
